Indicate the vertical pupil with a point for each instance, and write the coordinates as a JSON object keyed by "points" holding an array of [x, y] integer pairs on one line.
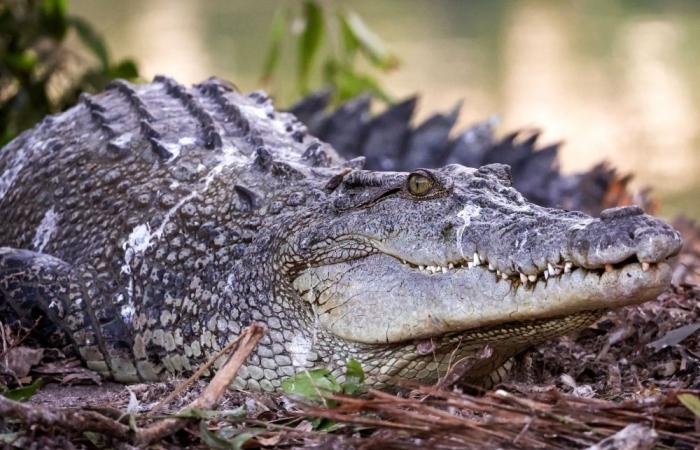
{"points": [[419, 184]]}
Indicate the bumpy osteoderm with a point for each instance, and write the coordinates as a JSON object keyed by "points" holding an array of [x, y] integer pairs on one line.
{"points": [[151, 223]]}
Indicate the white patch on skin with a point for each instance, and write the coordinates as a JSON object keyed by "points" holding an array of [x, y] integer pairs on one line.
{"points": [[45, 230], [139, 240], [299, 350], [12, 170], [187, 140], [127, 313], [260, 112], [122, 139], [466, 214], [174, 149]]}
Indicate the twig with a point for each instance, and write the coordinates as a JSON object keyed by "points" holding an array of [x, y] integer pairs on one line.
{"points": [[194, 377], [208, 399]]}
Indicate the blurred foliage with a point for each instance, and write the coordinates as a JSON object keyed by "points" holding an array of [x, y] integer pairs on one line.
{"points": [[40, 73], [341, 38]]}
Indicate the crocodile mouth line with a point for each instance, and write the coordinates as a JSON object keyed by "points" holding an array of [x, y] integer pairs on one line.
{"points": [[520, 278]]}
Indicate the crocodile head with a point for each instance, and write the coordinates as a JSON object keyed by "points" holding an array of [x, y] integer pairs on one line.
{"points": [[411, 272]]}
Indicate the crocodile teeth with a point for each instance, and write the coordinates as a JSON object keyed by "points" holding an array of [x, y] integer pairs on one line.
{"points": [[567, 267], [546, 274], [550, 269], [477, 260], [421, 267], [470, 264], [451, 266], [645, 266], [491, 268], [523, 278], [532, 278], [444, 269], [609, 268], [504, 276]]}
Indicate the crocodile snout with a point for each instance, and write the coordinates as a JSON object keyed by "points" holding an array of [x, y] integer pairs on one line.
{"points": [[621, 234]]}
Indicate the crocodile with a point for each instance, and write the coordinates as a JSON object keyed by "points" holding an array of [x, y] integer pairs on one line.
{"points": [[146, 226]]}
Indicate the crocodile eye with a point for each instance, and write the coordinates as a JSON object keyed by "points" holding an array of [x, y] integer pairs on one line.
{"points": [[419, 184]]}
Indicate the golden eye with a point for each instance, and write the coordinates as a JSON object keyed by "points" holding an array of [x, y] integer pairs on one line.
{"points": [[419, 184]]}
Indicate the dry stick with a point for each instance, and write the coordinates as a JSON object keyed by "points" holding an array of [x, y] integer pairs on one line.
{"points": [[203, 368], [213, 392]]}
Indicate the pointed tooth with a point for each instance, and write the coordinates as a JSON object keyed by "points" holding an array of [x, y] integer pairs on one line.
{"points": [[477, 260], [550, 269], [504, 275], [567, 267], [444, 269], [491, 268], [609, 268], [421, 267], [450, 266], [532, 278], [546, 275], [470, 264], [645, 266], [523, 278], [403, 261]]}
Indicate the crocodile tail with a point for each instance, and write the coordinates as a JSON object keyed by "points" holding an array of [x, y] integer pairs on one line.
{"points": [[389, 141]]}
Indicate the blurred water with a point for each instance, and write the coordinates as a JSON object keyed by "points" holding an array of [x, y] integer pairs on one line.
{"points": [[616, 80]]}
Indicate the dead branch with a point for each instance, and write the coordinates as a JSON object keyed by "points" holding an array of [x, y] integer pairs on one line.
{"points": [[195, 376], [208, 399]]}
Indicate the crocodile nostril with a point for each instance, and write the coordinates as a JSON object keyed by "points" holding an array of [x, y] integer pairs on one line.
{"points": [[620, 212]]}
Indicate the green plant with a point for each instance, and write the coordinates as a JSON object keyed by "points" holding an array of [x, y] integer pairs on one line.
{"points": [[39, 73], [317, 383], [341, 37]]}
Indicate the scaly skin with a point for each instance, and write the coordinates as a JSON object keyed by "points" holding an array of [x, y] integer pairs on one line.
{"points": [[151, 223]]}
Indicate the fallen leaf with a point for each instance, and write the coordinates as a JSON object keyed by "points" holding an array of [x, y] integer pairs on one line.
{"points": [[20, 360], [269, 441], [674, 337], [79, 377], [690, 401]]}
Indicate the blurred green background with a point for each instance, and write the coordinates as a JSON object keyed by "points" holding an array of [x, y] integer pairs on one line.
{"points": [[616, 80]]}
